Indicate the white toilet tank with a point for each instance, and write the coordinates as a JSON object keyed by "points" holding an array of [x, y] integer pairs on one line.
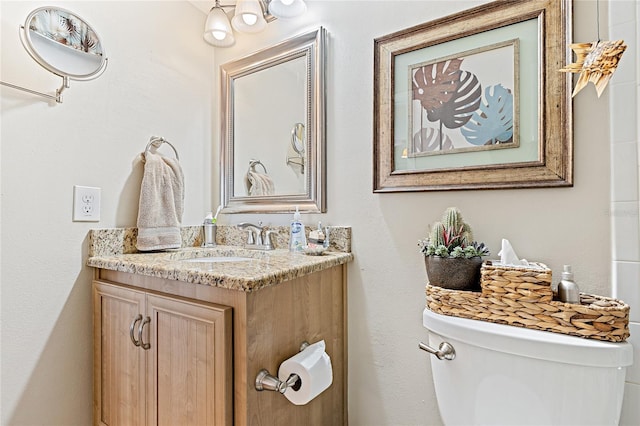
{"points": [[506, 375]]}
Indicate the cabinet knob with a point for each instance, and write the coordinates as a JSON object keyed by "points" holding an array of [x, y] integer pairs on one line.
{"points": [[132, 328]]}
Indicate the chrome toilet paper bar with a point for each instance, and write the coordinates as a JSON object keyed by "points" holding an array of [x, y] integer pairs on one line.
{"points": [[266, 381]]}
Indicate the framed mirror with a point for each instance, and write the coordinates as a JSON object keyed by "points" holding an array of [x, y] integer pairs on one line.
{"points": [[273, 128]]}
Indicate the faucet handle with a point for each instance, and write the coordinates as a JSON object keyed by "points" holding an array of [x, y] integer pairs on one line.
{"points": [[269, 240], [253, 233]]}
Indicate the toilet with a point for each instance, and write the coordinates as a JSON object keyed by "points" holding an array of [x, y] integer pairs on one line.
{"points": [[506, 375]]}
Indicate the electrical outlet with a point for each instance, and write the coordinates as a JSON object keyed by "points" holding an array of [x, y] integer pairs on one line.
{"points": [[86, 204]]}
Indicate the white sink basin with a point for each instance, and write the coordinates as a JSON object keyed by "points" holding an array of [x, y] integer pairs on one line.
{"points": [[218, 259]]}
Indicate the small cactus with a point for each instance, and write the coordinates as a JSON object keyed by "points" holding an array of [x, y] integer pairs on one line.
{"points": [[437, 236], [452, 237]]}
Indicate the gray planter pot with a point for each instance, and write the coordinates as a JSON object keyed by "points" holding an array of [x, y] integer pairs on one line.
{"points": [[454, 273]]}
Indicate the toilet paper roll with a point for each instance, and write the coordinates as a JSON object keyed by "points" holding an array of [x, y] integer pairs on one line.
{"points": [[313, 366]]}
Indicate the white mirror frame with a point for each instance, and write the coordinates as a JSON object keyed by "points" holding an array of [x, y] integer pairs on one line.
{"points": [[311, 46]]}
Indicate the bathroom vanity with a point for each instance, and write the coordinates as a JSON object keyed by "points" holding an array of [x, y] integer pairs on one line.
{"points": [[179, 339]]}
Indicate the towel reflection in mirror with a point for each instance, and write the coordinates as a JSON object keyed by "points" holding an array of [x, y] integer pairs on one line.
{"points": [[259, 183]]}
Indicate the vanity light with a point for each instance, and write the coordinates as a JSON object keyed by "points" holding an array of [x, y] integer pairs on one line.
{"points": [[251, 16], [286, 9], [217, 29]]}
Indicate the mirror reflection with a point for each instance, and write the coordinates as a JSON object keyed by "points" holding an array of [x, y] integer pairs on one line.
{"points": [[273, 128], [298, 146], [267, 104]]}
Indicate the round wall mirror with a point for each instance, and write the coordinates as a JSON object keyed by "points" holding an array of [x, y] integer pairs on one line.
{"points": [[297, 138], [63, 43]]}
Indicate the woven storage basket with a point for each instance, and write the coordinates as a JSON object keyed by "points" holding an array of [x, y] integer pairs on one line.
{"points": [[516, 283], [515, 296]]}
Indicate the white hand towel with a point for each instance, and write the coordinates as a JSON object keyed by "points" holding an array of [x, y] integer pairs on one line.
{"points": [[161, 203], [260, 183]]}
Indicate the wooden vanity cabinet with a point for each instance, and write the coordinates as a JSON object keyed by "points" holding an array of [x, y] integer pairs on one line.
{"points": [[269, 325], [160, 360]]}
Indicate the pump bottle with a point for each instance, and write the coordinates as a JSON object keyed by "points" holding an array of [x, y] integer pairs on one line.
{"points": [[297, 237], [568, 291]]}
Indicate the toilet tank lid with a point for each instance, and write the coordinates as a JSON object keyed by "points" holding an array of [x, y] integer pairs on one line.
{"points": [[530, 343]]}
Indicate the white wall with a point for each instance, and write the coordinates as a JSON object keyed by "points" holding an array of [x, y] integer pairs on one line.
{"points": [[158, 82], [624, 21]]}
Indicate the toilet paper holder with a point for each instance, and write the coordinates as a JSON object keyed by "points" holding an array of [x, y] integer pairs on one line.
{"points": [[266, 381]]}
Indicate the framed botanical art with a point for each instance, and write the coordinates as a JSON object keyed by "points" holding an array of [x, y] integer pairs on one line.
{"points": [[475, 100]]}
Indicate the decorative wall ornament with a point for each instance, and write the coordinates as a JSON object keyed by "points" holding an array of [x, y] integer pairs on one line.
{"points": [[596, 62]]}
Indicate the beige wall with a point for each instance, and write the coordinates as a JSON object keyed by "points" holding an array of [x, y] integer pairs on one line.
{"points": [[158, 82], [161, 81], [389, 378]]}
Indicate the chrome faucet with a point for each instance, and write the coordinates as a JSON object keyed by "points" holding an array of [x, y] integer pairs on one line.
{"points": [[257, 237]]}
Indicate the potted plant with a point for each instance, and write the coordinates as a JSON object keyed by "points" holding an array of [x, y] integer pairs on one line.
{"points": [[452, 258]]}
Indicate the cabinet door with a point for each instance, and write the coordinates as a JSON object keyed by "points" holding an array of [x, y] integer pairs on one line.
{"points": [[189, 365], [119, 365]]}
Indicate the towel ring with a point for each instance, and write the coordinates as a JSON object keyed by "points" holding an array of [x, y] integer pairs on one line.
{"points": [[254, 163], [157, 141]]}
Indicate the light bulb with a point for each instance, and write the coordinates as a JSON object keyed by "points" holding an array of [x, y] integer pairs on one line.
{"points": [[249, 18], [287, 9], [217, 29], [218, 35]]}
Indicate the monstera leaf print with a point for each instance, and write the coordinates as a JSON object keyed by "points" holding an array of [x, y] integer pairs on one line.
{"points": [[434, 84], [493, 122], [428, 139], [464, 101], [447, 94]]}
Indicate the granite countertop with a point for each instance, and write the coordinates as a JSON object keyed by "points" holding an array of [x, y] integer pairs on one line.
{"points": [[264, 268]]}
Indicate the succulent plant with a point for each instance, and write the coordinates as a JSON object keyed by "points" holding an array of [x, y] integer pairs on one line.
{"points": [[452, 237]]}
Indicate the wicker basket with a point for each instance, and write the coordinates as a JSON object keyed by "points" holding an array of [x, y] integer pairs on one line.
{"points": [[522, 297], [522, 284]]}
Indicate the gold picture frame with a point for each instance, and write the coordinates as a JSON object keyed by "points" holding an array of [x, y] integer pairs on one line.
{"points": [[543, 156]]}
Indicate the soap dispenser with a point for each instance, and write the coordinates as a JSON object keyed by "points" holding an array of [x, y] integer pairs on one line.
{"points": [[568, 291], [297, 237]]}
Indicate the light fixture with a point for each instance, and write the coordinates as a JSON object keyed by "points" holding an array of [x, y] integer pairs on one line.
{"points": [[251, 16], [217, 29], [286, 9]]}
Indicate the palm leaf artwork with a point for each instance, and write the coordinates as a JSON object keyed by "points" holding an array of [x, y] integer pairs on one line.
{"points": [[447, 94], [434, 84], [428, 139], [493, 122]]}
